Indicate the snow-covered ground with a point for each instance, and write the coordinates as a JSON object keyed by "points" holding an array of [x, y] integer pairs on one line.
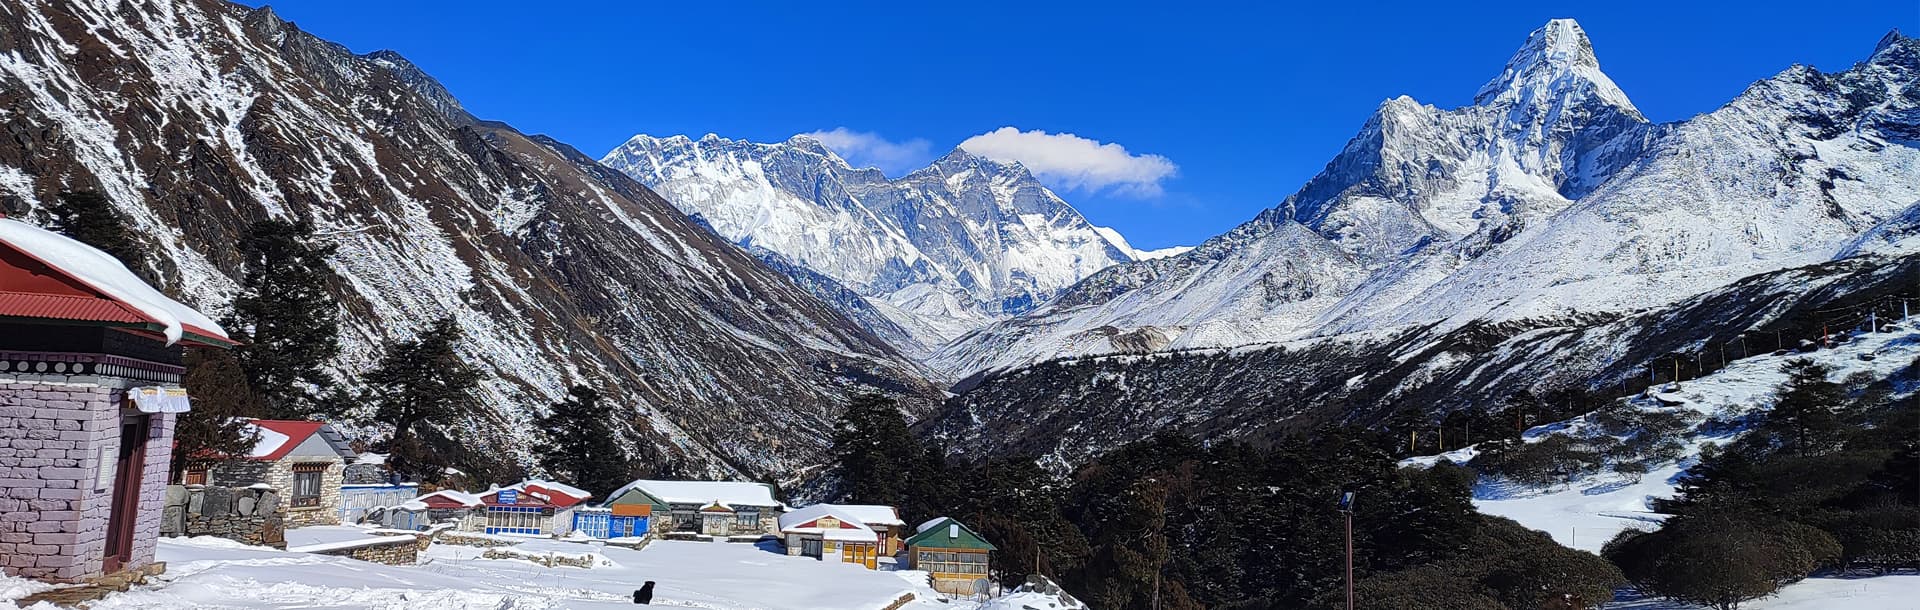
{"points": [[213, 573], [1892, 592], [1588, 512]]}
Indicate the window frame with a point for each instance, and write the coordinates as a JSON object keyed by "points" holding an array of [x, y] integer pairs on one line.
{"points": [[314, 477]]}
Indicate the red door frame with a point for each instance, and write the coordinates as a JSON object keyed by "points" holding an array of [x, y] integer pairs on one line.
{"points": [[129, 467]]}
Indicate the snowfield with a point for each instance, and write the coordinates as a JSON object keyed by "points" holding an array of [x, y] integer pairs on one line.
{"points": [[214, 573]]}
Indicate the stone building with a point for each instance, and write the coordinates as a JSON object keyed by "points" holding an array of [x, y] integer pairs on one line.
{"points": [[90, 366], [305, 461], [702, 508]]}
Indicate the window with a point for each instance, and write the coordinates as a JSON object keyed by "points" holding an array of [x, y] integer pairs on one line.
{"points": [[306, 484], [747, 518], [686, 520], [946, 562], [195, 476], [516, 519]]}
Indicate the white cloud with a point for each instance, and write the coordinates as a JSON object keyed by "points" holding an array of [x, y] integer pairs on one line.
{"points": [[867, 149], [1070, 161]]}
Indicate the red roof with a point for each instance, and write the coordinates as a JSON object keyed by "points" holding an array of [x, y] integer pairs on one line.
{"points": [[32, 287], [534, 494], [296, 431], [65, 307], [554, 496]]}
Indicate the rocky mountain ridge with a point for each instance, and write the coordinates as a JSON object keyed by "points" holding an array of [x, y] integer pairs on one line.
{"points": [[939, 251], [1551, 197], [198, 117]]}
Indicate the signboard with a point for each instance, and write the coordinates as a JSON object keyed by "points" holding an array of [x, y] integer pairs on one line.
{"points": [[827, 523], [103, 477], [632, 510], [507, 496]]}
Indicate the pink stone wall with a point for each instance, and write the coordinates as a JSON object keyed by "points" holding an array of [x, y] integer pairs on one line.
{"points": [[153, 488], [53, 521]]}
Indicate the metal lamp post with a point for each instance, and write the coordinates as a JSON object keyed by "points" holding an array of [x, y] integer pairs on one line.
{"points": [[1346, 508]]}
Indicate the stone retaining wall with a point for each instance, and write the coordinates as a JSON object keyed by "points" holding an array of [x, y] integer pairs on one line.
{"points": [[468, 539], [250, 516], [567, 560], [396, 552]]}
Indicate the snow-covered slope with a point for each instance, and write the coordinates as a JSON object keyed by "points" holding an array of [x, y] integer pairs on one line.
{"points": [[940, 251], [1550, 197], [198, 117], [1585, 514]]}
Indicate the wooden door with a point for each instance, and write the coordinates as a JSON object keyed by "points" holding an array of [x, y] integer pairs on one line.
{"points": [[132, 460]]}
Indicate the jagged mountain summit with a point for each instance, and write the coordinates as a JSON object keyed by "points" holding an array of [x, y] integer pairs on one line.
{"points": [[198, 117], [1549, 198], [937, 252]]}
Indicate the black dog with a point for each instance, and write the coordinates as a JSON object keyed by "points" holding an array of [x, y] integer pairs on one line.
{"points": [[645, 594]]}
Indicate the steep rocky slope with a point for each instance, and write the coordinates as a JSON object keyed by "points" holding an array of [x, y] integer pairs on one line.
{"points": [[940, 251], [1069, 410], [197, 117], [1550, 197]]}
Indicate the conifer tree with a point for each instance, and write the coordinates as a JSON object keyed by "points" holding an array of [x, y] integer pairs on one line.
{"points": [[221, 400], [286, 320], [418, 380], [87, 216], [878, 456], [1804, 413], [581, 447]]}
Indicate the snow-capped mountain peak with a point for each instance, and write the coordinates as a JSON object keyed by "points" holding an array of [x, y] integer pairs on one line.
{"points": [[1556, 62], [940, 251], [1548, 199]]}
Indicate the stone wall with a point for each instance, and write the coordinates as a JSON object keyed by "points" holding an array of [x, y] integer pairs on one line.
{"points": [[250, 516], [547, 558], [396, 552], [470, 539], [55, 491]]}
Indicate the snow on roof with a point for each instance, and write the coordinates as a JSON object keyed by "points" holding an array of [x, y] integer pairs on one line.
{"points": [[873, 514], [930, 523], [266, 441], [278, 437], [731, 493], [852, 529], [461, 497], [559, 487], [102, 272], [548, 492]]}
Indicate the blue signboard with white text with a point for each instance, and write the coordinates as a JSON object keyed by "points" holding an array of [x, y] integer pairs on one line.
{"points": [[508, 496]]}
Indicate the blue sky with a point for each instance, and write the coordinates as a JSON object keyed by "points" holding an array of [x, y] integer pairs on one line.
{"points": [[1189, 119]]}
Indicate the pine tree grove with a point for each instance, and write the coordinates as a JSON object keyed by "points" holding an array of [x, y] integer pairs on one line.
{"points": [[286, 320]]}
